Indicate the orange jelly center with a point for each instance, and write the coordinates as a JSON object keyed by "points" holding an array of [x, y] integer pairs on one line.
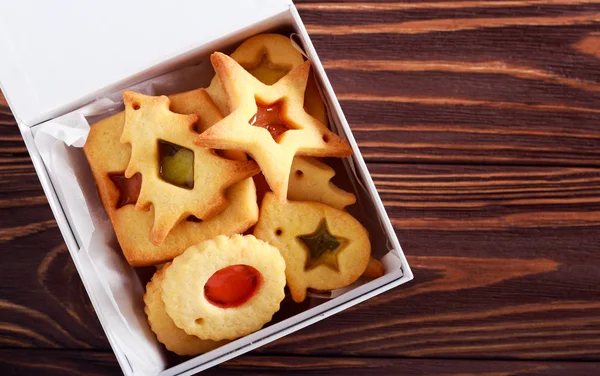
{"points": [[232, 286], [269, 118], [129, 189]]}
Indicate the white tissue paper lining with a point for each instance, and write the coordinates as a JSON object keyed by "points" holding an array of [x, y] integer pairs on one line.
{"points": [[60, 143]]}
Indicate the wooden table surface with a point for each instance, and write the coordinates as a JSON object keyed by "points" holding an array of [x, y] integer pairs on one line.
{"points": [[480, 123]]}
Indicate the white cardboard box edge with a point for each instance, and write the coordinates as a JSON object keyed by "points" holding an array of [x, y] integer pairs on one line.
{"points": [[320, 312]]}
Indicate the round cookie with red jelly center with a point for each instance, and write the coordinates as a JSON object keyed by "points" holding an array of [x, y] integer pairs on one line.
{"points": [[224, 288], [167, 333]]}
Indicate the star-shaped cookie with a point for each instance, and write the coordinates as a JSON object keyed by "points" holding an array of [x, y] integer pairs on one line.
{"points": [[149, 125], [322, 247], [269, 122], [268, 57]]}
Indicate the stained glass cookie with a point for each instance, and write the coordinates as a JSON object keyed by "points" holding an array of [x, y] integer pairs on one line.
{"points": [[310, 180], [108, 159], [269, 122], [151, 127], [167, 333], [269, 57], [324, 248], [224, 288]]}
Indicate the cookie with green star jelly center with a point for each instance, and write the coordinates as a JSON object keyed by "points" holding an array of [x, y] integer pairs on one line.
{"points": [[324, 248]]}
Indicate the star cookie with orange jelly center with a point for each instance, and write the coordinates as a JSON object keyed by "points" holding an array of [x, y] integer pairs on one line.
{"points": [[304, 135], [268, 57], [322, 247], [269, 118], [187, 180]]}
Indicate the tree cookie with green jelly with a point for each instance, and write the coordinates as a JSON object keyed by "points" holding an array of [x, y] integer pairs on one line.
{"points": [[108, 159], [167, 333], [324, 248], [159, 139], [224, 288]]}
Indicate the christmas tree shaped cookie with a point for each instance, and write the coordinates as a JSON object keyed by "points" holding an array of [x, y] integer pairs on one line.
{"points": [[109, 158], [179, 179]]}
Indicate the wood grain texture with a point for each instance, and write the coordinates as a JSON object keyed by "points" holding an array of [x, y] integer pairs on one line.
{"points": [[54, 363], [477, 82], [506, 260], [51, 363], [480, 122]]}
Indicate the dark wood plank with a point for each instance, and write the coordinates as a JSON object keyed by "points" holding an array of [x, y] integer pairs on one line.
{"points": [[502, 82], [276, 365], [54, 363], [43, 303]]}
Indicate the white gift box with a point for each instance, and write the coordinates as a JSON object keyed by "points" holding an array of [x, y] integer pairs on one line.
{"points": [[63, 65]]}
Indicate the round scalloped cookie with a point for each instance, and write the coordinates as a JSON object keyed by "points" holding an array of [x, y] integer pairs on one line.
{"points": [[174, 339], [197, 280]]}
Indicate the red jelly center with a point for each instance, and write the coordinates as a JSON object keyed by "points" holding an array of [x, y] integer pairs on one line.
{"points": [[269, 118], [232, 286], [129, 189]]}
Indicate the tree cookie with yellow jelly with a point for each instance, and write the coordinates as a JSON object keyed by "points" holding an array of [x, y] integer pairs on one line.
{"points": [[269, 57], [224, 288], [167, 333], [108, 159], [162, 141], [310, 180], [324, 248], [269, 122]]}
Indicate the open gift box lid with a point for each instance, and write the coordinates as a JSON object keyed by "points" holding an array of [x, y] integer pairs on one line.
{"points": [[57, 56]]}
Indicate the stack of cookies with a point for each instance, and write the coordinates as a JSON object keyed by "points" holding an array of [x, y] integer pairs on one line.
{"points": [[177, 178]]}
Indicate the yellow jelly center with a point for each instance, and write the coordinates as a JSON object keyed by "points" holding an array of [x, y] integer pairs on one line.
{"points": [[266, 72], [176, 165]]}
